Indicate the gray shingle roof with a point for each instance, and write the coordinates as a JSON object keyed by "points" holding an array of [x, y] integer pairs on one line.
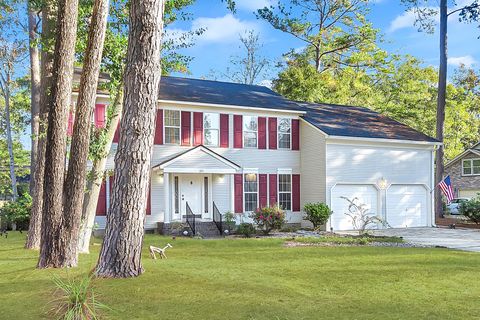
{"points": [[226, 93], [348, 121]]}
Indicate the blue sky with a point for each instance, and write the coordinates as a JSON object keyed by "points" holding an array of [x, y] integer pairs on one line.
{"points": [[214, 48]]}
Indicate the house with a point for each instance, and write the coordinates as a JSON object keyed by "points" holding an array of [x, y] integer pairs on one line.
{"points": [[223, 147], [464, 172]]}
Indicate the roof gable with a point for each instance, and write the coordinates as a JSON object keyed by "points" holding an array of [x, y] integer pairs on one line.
{"points": [[463, 155]]}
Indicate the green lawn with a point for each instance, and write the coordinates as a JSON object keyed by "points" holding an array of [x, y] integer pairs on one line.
{"points": [[261, 279]]}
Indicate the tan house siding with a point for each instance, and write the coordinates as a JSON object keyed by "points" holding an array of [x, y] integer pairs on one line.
{"points": [[459, 181]]}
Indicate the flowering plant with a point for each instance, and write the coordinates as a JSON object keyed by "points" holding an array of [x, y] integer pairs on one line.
{"points": [[269, 218]]}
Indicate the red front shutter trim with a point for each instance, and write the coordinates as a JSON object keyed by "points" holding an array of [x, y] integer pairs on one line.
{"points": [[237, 131], [102, 200], [262, 133], [272, 133], [224, 131], [295, 134], [273, 189], [238, 186], [70, 123], [116, 137], [186, 125], [262, 188], [197, 128], [295, 192], [158, 139], [99, 116]]}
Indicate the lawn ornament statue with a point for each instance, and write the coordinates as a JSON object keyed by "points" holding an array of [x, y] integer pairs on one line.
{"points": [[161, 251]]}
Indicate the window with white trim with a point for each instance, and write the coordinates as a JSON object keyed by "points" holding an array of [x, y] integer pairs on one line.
{"points": [[284, 133], [172, 126], [285, 191], [250, 131], [211, 129], [250, 192], [471, 167]]}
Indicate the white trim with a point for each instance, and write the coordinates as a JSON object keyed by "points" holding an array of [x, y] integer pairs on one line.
{"points": [[291, 189], [257, 192], [250, 170], [284, 171], [213, 129], [250, 131], [197, 170], [278, 133], [461, 155], [207, 151], [471, 174], [175, 127], [394, 141], [314, 127]]}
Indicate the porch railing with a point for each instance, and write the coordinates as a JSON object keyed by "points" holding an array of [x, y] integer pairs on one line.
{"points": [[190, 218], [217, 218]]}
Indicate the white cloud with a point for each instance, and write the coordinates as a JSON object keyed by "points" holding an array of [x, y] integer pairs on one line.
{"points": [[253, 4], [467, 60], [405, 20], [224, 29]]}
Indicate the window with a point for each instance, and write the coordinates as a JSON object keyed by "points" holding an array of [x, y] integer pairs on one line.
{"points": [[471, 167], [285, 191], [205, 186], [251, 192], [250, 131], [211, 129], [177, 204], [284, 133], [172, 126]]}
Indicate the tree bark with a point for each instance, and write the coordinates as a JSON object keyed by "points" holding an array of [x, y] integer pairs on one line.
{"points": [[97, 175], [120, 256], [52, 247], [35, 90], [48, 30], [441, 101], [74, 190]]}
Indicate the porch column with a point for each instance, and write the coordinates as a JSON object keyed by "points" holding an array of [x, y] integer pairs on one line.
{"points": [[166, 187]]}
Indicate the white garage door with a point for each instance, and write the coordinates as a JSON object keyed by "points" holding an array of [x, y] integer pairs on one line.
{"points": [[406, 206], [366, 194], [468, 193]]}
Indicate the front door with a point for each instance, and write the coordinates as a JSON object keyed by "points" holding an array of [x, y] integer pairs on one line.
{"points": [[191, 192]]}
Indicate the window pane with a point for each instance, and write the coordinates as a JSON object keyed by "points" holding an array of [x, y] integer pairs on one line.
{"points": [[284, 183], [476, 163], [285, 201], [284, 140], [172, 118], [467, 170], [467, 164], [250, 139], [172, 135], [211, 137], [250, 201], [476, 170], [284, 125], [250, 123], [211, 121]]}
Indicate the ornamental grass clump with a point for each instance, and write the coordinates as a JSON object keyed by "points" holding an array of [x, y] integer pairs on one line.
{"points": [[269, 218]]}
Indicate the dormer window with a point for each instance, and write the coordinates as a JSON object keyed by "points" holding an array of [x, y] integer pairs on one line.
{"points": [[250, 131], [284, 133], [471, 167]]}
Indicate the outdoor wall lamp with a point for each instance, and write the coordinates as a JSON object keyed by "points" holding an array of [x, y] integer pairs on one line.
{"points": [[382, 183]]}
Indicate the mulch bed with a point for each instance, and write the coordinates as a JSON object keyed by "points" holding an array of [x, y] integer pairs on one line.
{"points": [[448, 222]]}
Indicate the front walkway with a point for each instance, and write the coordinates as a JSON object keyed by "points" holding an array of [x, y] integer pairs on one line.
{"points": [[459, 239]]}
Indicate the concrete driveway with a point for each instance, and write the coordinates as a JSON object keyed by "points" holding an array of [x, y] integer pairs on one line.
{"points": [[459, 239]]}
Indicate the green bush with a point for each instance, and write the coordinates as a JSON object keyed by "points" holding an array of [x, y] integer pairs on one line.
{"points": [[317, 213], [229, 219], [18, 211], [246, 229], [471, 210], [269, 218]]}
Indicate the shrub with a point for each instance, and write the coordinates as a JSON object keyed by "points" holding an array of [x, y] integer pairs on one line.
{"points": [[75, 299], [471, 210], [361, 217], [229, 219], [269, 218], [317, 213], [246, 229], [17, 212]]}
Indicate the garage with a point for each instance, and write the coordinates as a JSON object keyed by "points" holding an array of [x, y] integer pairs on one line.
{"points": [[406, 206], [468, 193], [366, 194]]}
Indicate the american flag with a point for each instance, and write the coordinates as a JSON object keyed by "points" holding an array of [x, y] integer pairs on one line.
{"points": [[446, 186]]}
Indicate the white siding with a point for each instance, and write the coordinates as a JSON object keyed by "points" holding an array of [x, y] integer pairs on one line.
{"points": [[221, 192]]}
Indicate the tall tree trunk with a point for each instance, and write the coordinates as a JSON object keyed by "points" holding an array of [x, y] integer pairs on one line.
{"points": [[52, 247], [97, 175], [120, 256], [35, 90], [48, 31], [74, 190], [441, 101]]}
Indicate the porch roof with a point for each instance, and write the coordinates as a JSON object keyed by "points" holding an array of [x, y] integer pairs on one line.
{"points": [[199, 159]]}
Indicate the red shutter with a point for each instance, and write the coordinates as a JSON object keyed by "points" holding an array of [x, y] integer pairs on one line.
{"points": [[272, 133], [186, 125], [99, 116], [102, 201], [262, 133], [149, 206], [70, 123], [224, 131], [197, 128], [158, 139], [295, 134], [116, 137], [238, 183], [295, 192], [262, 189], [237, 131], [273, 189]]}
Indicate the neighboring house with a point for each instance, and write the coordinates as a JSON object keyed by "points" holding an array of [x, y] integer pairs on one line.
{"points": [[238, 147], [464, 171]]}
